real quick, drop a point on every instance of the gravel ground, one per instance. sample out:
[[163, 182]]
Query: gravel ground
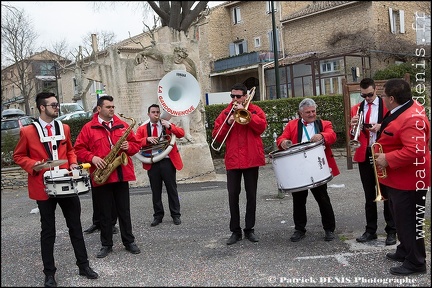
[[195, 254]]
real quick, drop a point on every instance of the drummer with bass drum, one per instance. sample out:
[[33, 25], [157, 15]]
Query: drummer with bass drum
[[32, 156], [308, 129]]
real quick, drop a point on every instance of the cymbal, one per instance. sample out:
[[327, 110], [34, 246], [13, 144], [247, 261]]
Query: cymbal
[[50, 163]]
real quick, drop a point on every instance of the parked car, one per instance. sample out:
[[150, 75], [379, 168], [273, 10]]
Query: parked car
[[74, 115], [11, 126], [12, 113]]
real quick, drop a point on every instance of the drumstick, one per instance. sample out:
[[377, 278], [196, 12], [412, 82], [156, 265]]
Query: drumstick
[[83, 166]]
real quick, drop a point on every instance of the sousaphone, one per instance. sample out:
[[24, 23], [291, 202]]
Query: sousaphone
[[179, 95]]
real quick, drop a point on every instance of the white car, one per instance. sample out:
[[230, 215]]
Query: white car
[[74, 115]]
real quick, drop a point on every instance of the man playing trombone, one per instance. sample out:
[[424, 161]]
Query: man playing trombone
[[244, 153], [373, 110], [405, 157]]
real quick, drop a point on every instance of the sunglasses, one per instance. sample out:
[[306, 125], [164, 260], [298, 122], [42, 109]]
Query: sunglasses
[[367, 95], [237, 96], [53, 105]]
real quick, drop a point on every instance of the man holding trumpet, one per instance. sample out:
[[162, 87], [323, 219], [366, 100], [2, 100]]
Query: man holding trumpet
[[405, 157], [373, 110]]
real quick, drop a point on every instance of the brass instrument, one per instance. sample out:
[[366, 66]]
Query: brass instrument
[[382, 174], [355, 143], [241, 116], [112, 160], [163, 143]]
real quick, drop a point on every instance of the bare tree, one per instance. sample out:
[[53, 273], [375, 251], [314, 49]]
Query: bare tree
[[178, 15], [18, 39]]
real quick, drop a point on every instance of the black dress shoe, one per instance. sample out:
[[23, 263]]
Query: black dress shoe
[[91, 229], [402, 271], [104, 251], [234, 238], [50, 281], [88, 272], [366, 237], [156, 222], [297, 236], [176, 220], [394, 257], [329, 236], [391, 239], [115, 230], [133, 248], [251, 237]]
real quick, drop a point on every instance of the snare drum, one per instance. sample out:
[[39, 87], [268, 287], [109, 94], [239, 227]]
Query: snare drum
[[66, 186], [301, 167]]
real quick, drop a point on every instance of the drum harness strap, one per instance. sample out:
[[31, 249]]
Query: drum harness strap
[[55, 140], [318, 128]]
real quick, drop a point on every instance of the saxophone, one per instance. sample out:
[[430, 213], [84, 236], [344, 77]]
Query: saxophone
[[112, 160]]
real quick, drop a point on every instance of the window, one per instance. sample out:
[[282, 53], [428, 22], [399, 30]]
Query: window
[[257, 42], [397, 21], [236, 15], [422, 27], [238, 48], [269, 8], [329, 66], [270, 37]]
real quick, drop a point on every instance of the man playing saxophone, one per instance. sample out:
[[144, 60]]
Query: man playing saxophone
[[108, 143]]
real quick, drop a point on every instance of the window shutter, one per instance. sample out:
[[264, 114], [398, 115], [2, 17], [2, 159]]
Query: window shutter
[[231, 49], [402, 21], [391, 20], [245, 48]]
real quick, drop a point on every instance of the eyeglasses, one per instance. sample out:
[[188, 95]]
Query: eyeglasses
[[110, 107], [367, 95], [53, 105], [237, 96]]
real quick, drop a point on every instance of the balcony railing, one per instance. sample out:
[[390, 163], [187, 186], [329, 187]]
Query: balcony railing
[[241, 60]]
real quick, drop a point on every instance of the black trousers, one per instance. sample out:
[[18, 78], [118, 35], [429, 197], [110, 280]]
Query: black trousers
[[96, 212], [408, 208], [116, 194], [299, 208], [71, 208], [250, 177], [164, 172], [367, 177]]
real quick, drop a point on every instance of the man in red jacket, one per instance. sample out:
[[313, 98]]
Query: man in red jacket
[[28, 153], [165, 169], [308, 128], [373, 110], [93, 144], [243, 155], [404, 137]]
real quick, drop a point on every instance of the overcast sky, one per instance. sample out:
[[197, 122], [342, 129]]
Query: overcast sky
[[54, 21]]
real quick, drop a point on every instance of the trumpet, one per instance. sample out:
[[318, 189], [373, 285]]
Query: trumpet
[[381, 174], [355, 143], [241, 116]]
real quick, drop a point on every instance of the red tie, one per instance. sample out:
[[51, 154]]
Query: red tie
[[368, 113], [155, 131], [48, 127]]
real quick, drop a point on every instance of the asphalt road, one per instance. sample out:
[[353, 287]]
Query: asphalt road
[[195, 254]]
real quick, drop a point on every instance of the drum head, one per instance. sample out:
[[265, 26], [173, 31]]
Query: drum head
[[296, 148]]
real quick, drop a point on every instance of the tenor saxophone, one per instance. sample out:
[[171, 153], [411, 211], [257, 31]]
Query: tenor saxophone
[[100, 176]]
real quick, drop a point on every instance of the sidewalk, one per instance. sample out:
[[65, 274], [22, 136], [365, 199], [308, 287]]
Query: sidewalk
[[195, 254]]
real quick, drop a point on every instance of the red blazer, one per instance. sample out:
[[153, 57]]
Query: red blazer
[[93, 141], [291, 132], [29, 150], [360, 152], [174, 155], [404, 137]]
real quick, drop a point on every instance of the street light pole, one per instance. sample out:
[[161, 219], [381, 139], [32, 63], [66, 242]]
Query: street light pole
[[58, 96], [275, 52]]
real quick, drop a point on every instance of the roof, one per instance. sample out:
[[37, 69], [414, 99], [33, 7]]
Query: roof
[[317, 7]]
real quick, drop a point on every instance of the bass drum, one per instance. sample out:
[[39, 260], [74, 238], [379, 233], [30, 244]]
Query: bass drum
[[302, 166]]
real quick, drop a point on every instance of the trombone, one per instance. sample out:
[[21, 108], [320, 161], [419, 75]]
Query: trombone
[[241, 116], [381, 174]]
